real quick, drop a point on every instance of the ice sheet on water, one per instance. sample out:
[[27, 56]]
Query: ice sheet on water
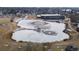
[[40, 37], [33, 36]]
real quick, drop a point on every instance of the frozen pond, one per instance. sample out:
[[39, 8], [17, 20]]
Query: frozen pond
[[40, 37]]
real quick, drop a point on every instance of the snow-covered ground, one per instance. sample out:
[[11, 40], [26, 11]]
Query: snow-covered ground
[[39, 37]]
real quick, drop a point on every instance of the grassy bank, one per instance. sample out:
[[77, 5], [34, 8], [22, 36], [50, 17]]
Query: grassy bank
[[4, 20]]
